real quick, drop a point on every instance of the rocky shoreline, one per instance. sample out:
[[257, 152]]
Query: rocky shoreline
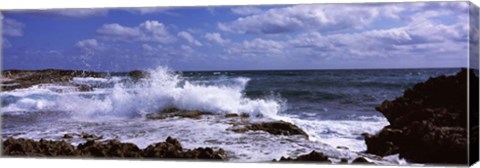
[[170, 149], [17, 79], [428, 124]]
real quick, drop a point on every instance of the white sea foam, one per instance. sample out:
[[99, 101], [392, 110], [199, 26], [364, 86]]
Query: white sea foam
[[209, 131], [87, 80], [345, 133], [163, 89], [95, 111]]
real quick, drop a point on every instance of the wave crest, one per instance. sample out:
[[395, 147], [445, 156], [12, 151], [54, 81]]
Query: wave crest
[[162, 89]]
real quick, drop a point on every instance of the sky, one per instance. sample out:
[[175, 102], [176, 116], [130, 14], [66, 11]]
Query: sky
[[314, 36]]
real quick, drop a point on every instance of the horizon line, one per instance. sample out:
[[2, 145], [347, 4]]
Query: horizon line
[[238, 70]]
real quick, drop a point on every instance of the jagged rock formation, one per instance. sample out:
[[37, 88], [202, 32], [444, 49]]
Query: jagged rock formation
[[428, 124]]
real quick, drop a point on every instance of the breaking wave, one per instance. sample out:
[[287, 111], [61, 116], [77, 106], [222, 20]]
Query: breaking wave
[[162, 89]]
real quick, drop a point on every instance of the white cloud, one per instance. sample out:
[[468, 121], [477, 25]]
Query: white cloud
[[12, 28], [310, 17], [246, 10], [147, 10], [413, 39], [168, 53], [148, 31], [151, 10], [256, 47], [263, 45], [455, 6], [217, 38], [88, 43], [424, 35], [189, 38], [426, 40], [334, 17], [73, 13]]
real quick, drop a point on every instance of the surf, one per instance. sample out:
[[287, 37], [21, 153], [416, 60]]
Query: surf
[[162, 89]]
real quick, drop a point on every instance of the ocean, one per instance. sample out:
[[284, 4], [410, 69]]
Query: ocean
[[334, 107]]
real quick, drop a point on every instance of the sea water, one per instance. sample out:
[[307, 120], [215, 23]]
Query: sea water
[[334, 107]]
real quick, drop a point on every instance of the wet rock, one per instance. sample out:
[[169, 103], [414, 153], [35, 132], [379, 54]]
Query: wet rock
[[244, 115], [137, 75], [68, 136], [361, 160], [428, 124], [111, 148], [382, 144], [42, 148], [231, 115], [311, 157], [278, 128], [174, 112], [84, 88], [234, 115], [28, 78], [90, 136], [171, 148], [206, 153], [273, 127]]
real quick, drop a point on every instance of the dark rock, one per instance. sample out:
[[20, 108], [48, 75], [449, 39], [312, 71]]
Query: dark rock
[[206, 153], [343, 161], [234, 115], [68, 136], [90, 136], [274, 127], [111, 148], [171, 148], [278, 128], [84, 88], [244, 115], [428, 124], [28, 78], [382, 144], [42, 148], [137, 74], [361, 160], [168, 149], [174, 112], [311, 157], [231, 115]]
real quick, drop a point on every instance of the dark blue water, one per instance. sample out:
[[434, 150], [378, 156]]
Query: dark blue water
[[328, 94]]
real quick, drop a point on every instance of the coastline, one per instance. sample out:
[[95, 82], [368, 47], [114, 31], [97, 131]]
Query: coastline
[[312, 156]]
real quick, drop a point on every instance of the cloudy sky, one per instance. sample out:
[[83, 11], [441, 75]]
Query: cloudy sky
[[326, 36]]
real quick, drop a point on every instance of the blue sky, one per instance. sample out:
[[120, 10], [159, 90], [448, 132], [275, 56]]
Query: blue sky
[[322, 36]]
